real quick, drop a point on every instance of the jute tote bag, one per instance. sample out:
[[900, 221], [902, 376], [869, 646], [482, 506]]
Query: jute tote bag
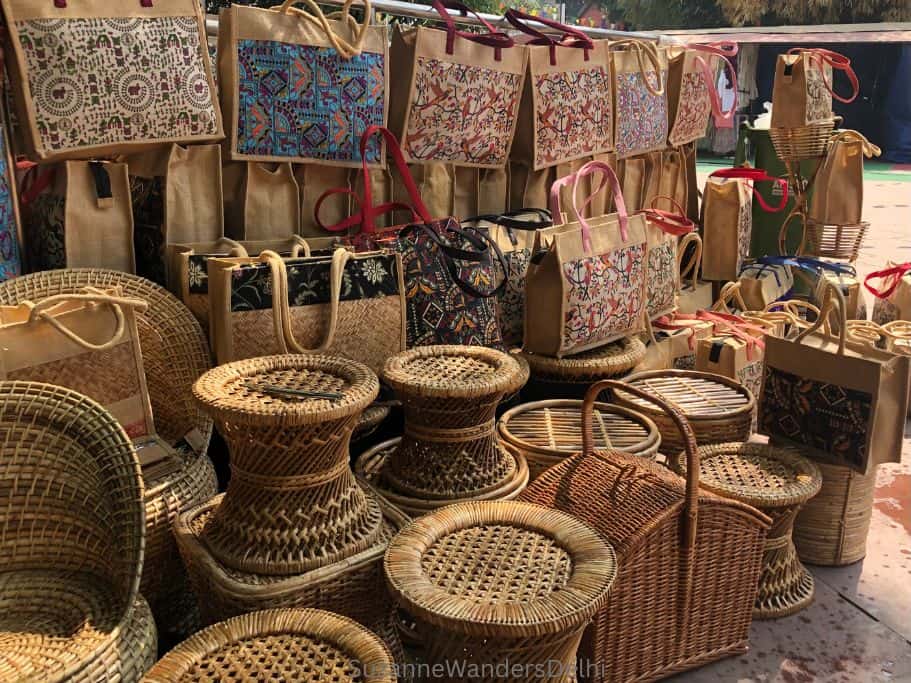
[[893, 296], [838, 192], [264, 205], [692, 92], [663, 230], [695, 294], [803, 89]]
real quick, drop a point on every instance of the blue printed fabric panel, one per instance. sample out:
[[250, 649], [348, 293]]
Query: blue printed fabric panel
[[300, 101], [10, 261]]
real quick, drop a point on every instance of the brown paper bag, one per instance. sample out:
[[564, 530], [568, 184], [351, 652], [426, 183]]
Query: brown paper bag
[[640, 97], [78, 214], [803, 90], [695, 295], [838, 192], [266, 204]]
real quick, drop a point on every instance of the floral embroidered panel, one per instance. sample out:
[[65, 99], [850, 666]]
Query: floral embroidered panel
[[641, 116], [662, 279], [693, 109]]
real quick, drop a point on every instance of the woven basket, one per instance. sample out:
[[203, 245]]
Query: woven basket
[[805, 142], [312, 645], [174, 354], [548, 432], [606, 362], [689, 559], [719, 409], [834, 241], [831, 529], [72, 544]]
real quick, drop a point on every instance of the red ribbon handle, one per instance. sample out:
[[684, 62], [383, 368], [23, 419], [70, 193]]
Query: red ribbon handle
[[838, 62], [756, 175], [493, 38], [894, 274]]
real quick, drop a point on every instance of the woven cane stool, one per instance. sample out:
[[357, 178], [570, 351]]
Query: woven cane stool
[[777, 481], [293, 503], [305, 645], [504, 588]]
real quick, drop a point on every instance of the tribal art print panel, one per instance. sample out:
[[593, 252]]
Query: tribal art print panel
[[572, 115], [306, 102], [107, 81], [10, 256], [461, 113], [662, 278], [603, 296], [641, 116]]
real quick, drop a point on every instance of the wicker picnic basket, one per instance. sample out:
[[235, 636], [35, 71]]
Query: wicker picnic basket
[[689, 559], [72, 544], [174, 354], [834, 241], [548, 432], [312, 645], [802, 142], [718, 409]]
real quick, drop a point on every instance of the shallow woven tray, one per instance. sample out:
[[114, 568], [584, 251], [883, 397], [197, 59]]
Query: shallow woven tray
[[804, 142], [834, 241], [606, 362], [547, 432], [313, 645], [370, 420], [719, 409]]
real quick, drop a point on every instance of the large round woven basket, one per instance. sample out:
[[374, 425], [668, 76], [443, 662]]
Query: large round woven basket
[[804, 142], [834, 241]]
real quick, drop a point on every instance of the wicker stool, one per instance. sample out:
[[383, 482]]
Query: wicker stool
[[305, 645], [719, 409], [292, 504], [501, 587], [547, 432], [777, 481], [605, 362]]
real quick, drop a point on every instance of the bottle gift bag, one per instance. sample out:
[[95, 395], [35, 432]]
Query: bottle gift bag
[[298, 87], [680, 334], [692, 90], [11, 264], [839, 401], [695, 294], [838, 192], [803, 89], [100, 78], [663, 228], [892, 297], [727, 223], [177, 198], [456, 95], [640, 97], [734, 350], [262, 202], [565, 113], [587, 288], [78, 214]]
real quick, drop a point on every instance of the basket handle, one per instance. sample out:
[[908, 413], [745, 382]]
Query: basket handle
[[691, 505]]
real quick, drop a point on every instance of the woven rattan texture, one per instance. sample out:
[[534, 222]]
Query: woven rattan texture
[[834, 241], [612, 360], [719, 409], [310, 646], [804, 142]]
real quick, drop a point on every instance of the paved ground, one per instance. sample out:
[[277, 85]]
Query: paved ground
[[859, 628]]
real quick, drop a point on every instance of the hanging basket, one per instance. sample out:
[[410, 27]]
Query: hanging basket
[[805, 142], [834, 241]]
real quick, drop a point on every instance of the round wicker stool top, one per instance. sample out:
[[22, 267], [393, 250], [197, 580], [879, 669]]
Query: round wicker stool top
[[250, 391], [281, 644], [697, 394], [757, 474], [500, 569], [611, 360], [454, 372]]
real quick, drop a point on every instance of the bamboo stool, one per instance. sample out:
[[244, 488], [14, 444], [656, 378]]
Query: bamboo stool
[[306, 645], [547, 432], [293, 503], [777, 481], [505, 587]]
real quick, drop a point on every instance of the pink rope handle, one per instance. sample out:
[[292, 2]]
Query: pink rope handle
[[894, 274], [756, 175], [556, 208], [838, 62], [622, 216], [724, 50]]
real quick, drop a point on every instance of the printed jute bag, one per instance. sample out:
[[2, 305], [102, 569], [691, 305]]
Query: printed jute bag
[[640, 97], [566, 111], [299, 87], [516, 234], [78, 214], [892, 299], [95, 77], [87, 342], [692, 91], [343, 304], [587, 288], [803, 89], [456, 97], [177, 198], [663, 228], [695, 294], [262, 202], [11, 261], [838, 192], [727, 224], [837, 400]]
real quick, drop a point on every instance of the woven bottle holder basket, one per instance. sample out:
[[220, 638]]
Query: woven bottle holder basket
[[719, 409], [804, 142]]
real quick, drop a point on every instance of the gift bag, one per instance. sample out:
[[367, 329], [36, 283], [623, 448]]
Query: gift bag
[[78, 214], [95, 79], [587, 288], [734, 350], [803, 89], [456, 97], [663, 228], [766, 280], [692, 91], [640, 97], [680, 334], [838, 191], [10, 226], [87, 342], [892, 298], [836, 400], [262, 203], [695, 294], [727, 224], [343, 304], [515, 233], [298, 87], [565, 112], [176, 196]]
